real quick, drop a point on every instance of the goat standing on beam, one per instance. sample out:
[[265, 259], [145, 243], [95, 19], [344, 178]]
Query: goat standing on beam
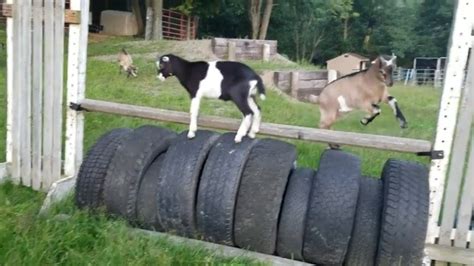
[[222, 80], [362, 90]]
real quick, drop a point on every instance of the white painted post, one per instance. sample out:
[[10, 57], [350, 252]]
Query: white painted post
[[58, 61], [48, 80], [37, 95], [460, 42], [25, 98], [76, 85], [15, 103], [10, 33]]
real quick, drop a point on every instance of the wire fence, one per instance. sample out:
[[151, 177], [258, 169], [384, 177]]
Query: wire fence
[[427, 77]]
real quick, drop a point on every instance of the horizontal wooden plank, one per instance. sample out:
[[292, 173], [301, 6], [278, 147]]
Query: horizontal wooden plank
[[310, 75], [277, 130], [223, 41], [303, 94], [312, 84], [70, 16], [450, 254]]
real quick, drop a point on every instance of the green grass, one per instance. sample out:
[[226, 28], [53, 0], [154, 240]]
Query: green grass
[[67, 236], [91, 239]]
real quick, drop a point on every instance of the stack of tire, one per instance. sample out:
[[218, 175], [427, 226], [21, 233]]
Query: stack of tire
[[251, 195]]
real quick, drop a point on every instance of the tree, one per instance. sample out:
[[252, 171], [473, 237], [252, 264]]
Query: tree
[[157, 24], [260, 22]]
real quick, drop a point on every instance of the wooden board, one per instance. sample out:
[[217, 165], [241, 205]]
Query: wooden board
[[277, 130], [48, 79], [451, 254], [15, 102], [58, 61], [37, 95], [70, 16], [9, 136]]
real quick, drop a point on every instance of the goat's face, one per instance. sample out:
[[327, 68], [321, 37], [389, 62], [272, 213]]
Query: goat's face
[[386, 67], [164, 67]]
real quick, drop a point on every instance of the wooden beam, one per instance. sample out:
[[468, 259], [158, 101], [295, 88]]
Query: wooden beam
[[276, 130], [450, 254], [70, 16]]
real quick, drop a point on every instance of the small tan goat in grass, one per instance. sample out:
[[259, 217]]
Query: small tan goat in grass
[[362, 90], [126, 63]]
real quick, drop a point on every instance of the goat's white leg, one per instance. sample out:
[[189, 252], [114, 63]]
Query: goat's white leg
[[396, 111], [244, 128], [194, 111], [257, 117]]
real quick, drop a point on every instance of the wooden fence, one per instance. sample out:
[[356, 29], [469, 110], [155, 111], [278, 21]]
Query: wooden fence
[[177, 26], [241, 49], [301, 84]]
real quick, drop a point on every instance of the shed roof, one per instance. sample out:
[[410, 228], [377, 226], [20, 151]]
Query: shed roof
[[358, 56]]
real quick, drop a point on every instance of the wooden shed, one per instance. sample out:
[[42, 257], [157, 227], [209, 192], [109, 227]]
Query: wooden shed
[[347, 63]]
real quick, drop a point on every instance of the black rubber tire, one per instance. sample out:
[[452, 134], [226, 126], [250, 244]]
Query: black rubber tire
[[128, 166], [220, 180], [404, 214], [90, 178], [260, 195], [293, 214], [146, 203], [332, 206], [179, 180], [365, 233]]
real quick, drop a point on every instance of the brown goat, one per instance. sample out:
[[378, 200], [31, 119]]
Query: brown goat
[[362, 90], [126, 64]]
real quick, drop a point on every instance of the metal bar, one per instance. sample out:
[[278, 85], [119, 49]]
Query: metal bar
[[287, 131], [460, 42], [76, 86]]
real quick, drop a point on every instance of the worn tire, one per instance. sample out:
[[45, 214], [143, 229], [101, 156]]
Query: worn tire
[[293, 214], [91, 176], [260, 195], [332, 205], [365, 233], [128, 166], [220, 180], [404, 214], [178, 182], [146, 203]]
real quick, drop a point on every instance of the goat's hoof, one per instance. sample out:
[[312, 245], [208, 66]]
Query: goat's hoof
[[251, 135], [403, 124], [364, 122], [191, 135], [238, 139]]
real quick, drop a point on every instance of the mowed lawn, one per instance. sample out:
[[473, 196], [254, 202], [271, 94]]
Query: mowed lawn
[[69, 236]]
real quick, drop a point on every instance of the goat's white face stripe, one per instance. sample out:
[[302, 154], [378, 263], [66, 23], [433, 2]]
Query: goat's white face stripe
[[343, 105], [210, 86]]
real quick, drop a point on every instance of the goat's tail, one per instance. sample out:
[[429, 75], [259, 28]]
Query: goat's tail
[[313, 98], [261, 89]]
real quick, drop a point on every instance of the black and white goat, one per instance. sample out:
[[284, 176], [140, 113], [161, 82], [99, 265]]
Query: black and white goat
[[224, 80], [363, 90]]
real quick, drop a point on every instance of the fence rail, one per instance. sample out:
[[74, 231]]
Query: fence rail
[[177, 26]]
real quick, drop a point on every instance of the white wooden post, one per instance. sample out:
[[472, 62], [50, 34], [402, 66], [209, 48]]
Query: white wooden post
[[231, 51], [460, 42], [37, 95], [10, 33], [332, 75], [77, 60]]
